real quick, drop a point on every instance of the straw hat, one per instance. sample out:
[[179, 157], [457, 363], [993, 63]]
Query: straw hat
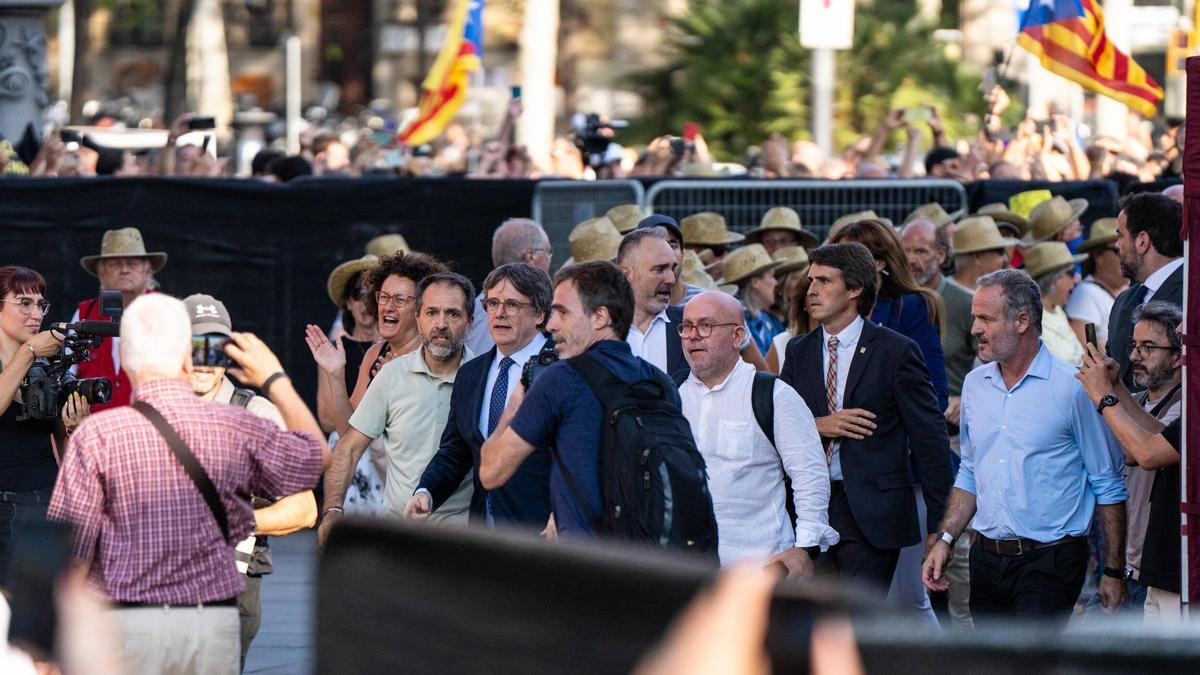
[[1017, 225], [625, 217], [708, 229], [790, 259], [692, 271], [979, 233], [1104, 232], [1052, 216], [746, 262], [387, 244], [123, 243], [1048, 257], [782, 218], [593, 239], [853, 218], [933, 212], [341, 275]]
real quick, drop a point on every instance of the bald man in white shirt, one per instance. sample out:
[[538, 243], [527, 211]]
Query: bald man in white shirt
[[745, 470]]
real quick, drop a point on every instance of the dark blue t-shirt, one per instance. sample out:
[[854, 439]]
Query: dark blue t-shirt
[[561, 410]]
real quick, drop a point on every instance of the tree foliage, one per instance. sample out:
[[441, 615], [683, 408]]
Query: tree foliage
[[736, 67]]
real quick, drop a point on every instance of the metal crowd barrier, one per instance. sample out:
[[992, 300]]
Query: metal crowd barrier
[[561, 205], [819, 202]]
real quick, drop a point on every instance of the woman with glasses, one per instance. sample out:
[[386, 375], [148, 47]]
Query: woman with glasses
[[389, 294], [1092, 300], [28, 459], [1052, 266]]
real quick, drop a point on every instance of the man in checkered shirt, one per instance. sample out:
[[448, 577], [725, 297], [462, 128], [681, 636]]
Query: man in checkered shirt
[[143, 529]]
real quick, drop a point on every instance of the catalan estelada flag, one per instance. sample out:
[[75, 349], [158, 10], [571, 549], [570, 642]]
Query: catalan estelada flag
[[445, 87], [1068, 37]]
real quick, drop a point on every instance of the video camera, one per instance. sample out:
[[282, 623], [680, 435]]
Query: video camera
[[591, 137], [535, 366], [50, 382]]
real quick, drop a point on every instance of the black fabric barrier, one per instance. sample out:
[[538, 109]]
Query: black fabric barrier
[[264, 250], [1102, 195]]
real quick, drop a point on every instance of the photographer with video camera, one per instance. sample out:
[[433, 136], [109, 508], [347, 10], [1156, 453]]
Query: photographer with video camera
[[28, 465]]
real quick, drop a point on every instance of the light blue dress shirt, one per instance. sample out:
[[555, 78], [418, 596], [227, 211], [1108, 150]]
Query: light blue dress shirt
[[1037, 457]]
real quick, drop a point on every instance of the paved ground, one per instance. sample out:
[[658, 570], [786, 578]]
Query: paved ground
[[285, 642]]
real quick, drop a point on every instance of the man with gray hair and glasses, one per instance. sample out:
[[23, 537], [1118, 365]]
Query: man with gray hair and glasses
[[517, 240], [1036, 462]]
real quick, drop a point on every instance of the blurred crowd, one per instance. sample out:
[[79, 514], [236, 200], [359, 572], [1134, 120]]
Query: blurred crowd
[[1056, 148]]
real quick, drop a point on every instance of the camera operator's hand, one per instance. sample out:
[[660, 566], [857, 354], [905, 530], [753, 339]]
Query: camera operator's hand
[[255, 359], [74, 410], [45, 343]]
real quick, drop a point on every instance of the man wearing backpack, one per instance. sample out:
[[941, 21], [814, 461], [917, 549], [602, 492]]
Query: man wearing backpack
[[591, 314], [272, 517], [753, 430]]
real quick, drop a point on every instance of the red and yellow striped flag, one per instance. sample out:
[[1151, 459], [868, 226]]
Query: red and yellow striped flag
[[446, 84], [1068, 38]]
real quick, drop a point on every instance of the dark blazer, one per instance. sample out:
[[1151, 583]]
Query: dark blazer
[[1120, 321], [677, 365], [525, 499], [887, 377]]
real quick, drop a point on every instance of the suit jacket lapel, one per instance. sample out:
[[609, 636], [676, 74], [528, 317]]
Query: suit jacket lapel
[[858, 362], [476, 402], [675, 358], [814, 354]]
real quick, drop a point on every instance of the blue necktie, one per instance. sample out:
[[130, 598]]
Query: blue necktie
[[495, 410], [1141, 297]]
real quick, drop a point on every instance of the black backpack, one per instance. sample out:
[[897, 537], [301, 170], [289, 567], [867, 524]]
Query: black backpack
[[653, 483], [762, 401]]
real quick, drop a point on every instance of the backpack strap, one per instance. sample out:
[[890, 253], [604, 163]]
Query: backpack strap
[[762, 401], [190, 464], [241, 397]]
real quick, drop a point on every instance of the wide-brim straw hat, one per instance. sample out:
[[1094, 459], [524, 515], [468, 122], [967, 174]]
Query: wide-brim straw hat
[[790, 259], [979, 233], [1004, 217], [849, 218], [785, 219], [625, 217], [593, 239], [123, 243], [388, 244], [708, 229], [1049, 257], [1103, 233], [746, 262], [933, 212], [342, 274], [1052, 216], [692, 271]]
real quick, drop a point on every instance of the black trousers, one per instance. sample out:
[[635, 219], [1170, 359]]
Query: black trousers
[[853, 559], [249, 603], [1042, 584], [18, 511]]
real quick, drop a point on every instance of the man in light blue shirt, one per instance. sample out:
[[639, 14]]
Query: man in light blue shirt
[[1036, 462]]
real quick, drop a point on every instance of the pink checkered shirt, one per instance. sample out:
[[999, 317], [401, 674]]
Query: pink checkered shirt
[[141, 521]]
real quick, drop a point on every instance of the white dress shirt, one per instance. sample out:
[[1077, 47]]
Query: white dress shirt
[[847, 344], [514, 376], [1154, 281], [652, 345], [745, 472]]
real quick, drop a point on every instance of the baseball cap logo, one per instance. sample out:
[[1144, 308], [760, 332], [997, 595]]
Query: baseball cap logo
[[205, 311]]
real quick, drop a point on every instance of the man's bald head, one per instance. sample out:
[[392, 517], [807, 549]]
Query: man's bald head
[[1175, 192], [713, 355]]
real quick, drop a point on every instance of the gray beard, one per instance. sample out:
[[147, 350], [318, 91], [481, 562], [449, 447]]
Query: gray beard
[[442, 353]]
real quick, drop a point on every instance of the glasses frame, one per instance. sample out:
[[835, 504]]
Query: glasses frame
[[686, 327], [1141, 349], [27, 310], [491, 304], [398, 301]]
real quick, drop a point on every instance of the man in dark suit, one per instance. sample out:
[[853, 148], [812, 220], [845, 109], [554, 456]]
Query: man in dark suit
[[873, 401], [517, 301], [650, 265], [1151, 258]]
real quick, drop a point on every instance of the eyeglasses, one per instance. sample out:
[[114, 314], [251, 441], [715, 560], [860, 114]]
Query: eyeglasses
[[398, 300], [358, 293], [548, 250], [510, 306], [703, 328], [26, 305], [1144, 349]]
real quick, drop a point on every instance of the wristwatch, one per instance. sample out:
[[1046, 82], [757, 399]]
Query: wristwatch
[[947, 537], [1119, 575], [1109, 399]]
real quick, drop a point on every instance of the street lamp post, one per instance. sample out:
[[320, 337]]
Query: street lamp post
[[23, 77]]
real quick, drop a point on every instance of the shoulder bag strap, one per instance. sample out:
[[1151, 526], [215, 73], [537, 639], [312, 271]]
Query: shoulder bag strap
[[1165, 402], [189, 462], [762, 401]]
